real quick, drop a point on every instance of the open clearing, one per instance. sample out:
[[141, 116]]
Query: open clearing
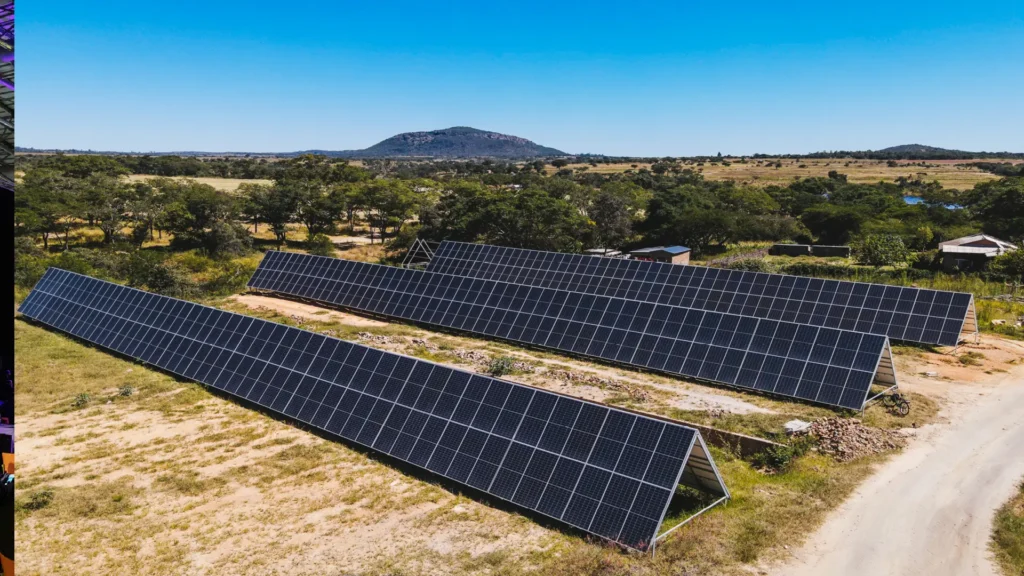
[[762, 171], [222, 184], [173, 476]]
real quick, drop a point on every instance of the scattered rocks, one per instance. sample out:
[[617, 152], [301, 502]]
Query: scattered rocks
[[421, 342], [846, 439], [376, 338], [472, 356], [635, 392]]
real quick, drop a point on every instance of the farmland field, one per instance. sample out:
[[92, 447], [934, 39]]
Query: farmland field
[[222, 184], [764, 172]]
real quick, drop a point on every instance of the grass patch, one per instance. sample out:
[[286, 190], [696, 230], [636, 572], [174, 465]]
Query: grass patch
[[1008, 535], [971, 358], [923, 410], [95, 500]]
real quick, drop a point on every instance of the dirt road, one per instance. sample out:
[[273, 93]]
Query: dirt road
[[929, 510]]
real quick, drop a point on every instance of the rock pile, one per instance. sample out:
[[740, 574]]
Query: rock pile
[[846, 439], [376, 338], [635, 392]]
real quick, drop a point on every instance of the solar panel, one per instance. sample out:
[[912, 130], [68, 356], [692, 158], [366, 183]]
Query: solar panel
[[822, 365], [901, 313], [606, 471]]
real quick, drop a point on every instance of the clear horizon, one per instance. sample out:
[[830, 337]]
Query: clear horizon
[[654, 80]]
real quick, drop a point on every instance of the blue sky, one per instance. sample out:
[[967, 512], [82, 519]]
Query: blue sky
[[624, 78]]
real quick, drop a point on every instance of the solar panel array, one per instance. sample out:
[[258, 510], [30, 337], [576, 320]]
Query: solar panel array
[[822, 365], [603, 470], [901, 313]]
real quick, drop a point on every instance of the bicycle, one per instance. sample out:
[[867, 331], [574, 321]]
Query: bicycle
[[897, 402]]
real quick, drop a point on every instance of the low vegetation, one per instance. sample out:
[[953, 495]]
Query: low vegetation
[[1008, 535]]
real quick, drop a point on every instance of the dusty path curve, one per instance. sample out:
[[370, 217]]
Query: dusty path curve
[[929, 511]]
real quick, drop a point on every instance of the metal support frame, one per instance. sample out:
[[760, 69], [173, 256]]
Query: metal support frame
[[687, 521]]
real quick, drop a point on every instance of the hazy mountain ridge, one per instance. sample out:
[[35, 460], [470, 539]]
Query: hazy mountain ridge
[[454, 142]]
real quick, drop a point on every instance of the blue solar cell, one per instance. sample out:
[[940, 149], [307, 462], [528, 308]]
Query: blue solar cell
[[413, 410]]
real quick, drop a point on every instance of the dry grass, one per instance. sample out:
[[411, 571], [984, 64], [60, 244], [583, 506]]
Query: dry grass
[[1008, 535], [222, 184], [174, 475], [764, 172]]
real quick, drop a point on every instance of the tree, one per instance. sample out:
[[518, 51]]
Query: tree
[[388, 204], [1011, 264], [192, 212], [532, 218], [105, 200], [559, 162], [272, 205], [46, 203], [687, 215], [833, 225], [882, 250], [999, 206]]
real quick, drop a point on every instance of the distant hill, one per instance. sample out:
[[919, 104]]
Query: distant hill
[[455, 142], [914, 152]]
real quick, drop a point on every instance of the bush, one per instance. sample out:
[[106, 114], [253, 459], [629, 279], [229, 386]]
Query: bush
[[81, 400], [929, 260], [1010, 264], [147, 270], [38, 500], [227, 239], [882, 250], [500, 366], [126, 390], [320, 245], [752, 265]]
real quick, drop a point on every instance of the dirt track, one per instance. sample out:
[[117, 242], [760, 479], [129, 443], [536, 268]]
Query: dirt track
[[929, 510]]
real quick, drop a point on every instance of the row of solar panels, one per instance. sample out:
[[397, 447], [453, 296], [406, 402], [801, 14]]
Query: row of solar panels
[[606, 471], [901, 313], [823, 365]]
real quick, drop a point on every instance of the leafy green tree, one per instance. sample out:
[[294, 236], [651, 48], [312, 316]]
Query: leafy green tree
[[559, 162], [1011, 264], [532, 218], [46, 203], [388, 204], [272, 205], [833, 225], [882, 250], [193, 210], [999, 206], [687, 215]]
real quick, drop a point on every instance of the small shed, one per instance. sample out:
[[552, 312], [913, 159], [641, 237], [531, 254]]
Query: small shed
[[972, 252], [667, 254]]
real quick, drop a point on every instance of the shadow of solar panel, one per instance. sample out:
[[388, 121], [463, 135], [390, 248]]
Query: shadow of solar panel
[[901, 313], [701, 344], [552, 454]]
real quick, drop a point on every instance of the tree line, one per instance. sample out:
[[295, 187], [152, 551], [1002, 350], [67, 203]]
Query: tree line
[[503, 203]]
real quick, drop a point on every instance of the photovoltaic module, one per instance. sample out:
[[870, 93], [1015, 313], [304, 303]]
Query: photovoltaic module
[[603, 470]]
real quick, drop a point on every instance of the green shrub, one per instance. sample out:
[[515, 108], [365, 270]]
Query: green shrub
[[149, 271], [882, 250], [752, 265], [38, 500], [126, 390], [320, 245], [227, 239], [501, 365], [81, 400]]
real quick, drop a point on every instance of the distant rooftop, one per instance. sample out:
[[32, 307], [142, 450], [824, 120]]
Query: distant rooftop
[[663, 250]]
